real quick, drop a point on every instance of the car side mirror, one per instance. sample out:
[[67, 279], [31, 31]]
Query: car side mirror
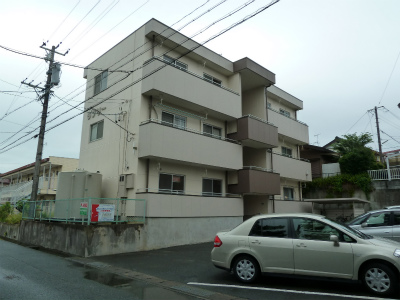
[[363, 225], [334, 239]]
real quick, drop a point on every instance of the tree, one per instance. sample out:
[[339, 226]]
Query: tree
[[352, 142], [356, 158], [5, 210]]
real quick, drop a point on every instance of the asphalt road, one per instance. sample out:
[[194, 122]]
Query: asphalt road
[[26, 273], [192, 264]]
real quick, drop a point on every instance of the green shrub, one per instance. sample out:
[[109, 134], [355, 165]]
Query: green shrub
[[14, 218], [5, 210]]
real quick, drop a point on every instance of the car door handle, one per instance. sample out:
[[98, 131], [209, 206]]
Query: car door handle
[[387, 231], [301, 245], [256, 242]]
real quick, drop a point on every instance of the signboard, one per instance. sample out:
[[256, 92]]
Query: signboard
[[103, 212], [84, 208]]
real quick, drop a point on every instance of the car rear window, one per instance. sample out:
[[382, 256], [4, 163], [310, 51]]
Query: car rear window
[[272, 227]]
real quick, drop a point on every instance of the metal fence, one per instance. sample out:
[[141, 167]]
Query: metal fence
[[393, 174], [86, 210]]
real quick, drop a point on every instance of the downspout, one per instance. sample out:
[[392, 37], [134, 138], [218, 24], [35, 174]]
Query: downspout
[[48, 184], [152, 45], [147, 174]]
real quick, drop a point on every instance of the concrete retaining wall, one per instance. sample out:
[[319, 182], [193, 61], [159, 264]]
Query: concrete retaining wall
[[97, 240]]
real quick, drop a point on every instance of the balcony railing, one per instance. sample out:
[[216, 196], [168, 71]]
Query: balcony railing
[[383, 174], [186, 193], [277, 111], [184, 128], [155, 58]]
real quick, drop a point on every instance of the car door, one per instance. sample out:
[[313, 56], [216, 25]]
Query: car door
[[396, 226], [272, 245], [315, 254], [377, 224]]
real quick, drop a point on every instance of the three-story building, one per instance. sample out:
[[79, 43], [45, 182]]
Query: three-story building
[[206, 141]]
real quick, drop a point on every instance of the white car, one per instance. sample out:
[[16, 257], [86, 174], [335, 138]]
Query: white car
[[307, 244]]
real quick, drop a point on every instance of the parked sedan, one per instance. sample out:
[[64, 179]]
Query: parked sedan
[[384, 223], [307, 244]]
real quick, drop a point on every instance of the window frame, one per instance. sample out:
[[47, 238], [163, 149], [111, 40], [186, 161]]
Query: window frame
[[97, 132], [173, 124], [100, 82], [284, 112], [212, 193], [285, 189], [212, 79], [212, 130], [175, 63], [171, 191], [285, 150]]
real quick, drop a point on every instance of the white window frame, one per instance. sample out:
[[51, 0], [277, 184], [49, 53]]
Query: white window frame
[[288, 189], [176, 63], [284, 112], [287, 151], [95, 127], [100, 82], [171, 190], [212, 193], [175, 120], [212, 79], [212, 130]]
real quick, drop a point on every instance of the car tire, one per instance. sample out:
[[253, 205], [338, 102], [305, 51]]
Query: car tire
[[379, 279], [246, 269]]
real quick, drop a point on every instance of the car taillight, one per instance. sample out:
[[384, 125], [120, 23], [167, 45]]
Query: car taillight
[[217, 242]]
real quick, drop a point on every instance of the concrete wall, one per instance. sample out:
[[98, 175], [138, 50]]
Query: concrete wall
[[97, 240], [386, 193]]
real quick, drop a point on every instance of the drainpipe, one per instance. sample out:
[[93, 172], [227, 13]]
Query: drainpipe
[[48, 184], [152, 45], [148, 174]]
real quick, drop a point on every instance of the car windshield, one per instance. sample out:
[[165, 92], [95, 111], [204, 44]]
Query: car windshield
[[348, 229]]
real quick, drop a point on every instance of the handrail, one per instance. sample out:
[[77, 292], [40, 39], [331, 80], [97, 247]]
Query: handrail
[[164, 123], [289, 156], [259, 169], [189, 72], [259, 119], [185, 193], [274, 110]]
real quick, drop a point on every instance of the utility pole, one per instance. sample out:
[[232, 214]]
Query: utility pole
[[51, 81], [379, 134]]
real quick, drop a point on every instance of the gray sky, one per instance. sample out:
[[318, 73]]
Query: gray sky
[[339, 57]]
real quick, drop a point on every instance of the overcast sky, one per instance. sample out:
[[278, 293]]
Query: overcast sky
[[339, 57]]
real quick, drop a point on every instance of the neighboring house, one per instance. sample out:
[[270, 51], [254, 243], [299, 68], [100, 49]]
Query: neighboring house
[[21, 179], [323, 160], [204, 140], [393, 158]]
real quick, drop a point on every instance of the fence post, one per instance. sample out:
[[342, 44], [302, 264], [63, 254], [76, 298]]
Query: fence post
[[89, 211]]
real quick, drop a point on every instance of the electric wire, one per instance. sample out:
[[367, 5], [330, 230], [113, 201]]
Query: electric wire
[[390, 77], [64, 19], [80, 21], [151, 73]]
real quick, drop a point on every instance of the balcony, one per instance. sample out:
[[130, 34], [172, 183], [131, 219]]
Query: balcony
[[165, 205], [255, 133], [188, 146], [292, 168], [189, 90], [295, 131], [256, 181]]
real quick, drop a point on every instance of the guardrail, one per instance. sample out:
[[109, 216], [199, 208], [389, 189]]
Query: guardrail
[[86, 210]]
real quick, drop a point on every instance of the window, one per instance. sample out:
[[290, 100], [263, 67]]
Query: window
[[96, 131], [176, 63], [308, 229], [212, 79], [100, 82], [379, 219], [268, 104], [288, 193], [286, 151], [284, 112], [273, 227], [212, 131], [212, 187], [173, 120], [170, 183]]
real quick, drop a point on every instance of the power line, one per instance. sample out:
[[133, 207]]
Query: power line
[[390, 77], [64, 19], [156, 70]]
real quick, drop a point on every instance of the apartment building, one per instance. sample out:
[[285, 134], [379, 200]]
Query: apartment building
[[20, 180], [206, 141]]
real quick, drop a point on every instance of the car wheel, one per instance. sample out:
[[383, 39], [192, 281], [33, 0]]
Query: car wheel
[[379, 279], [246, 269]]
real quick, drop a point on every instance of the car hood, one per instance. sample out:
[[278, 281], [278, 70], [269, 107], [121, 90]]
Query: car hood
[[382, 242]]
